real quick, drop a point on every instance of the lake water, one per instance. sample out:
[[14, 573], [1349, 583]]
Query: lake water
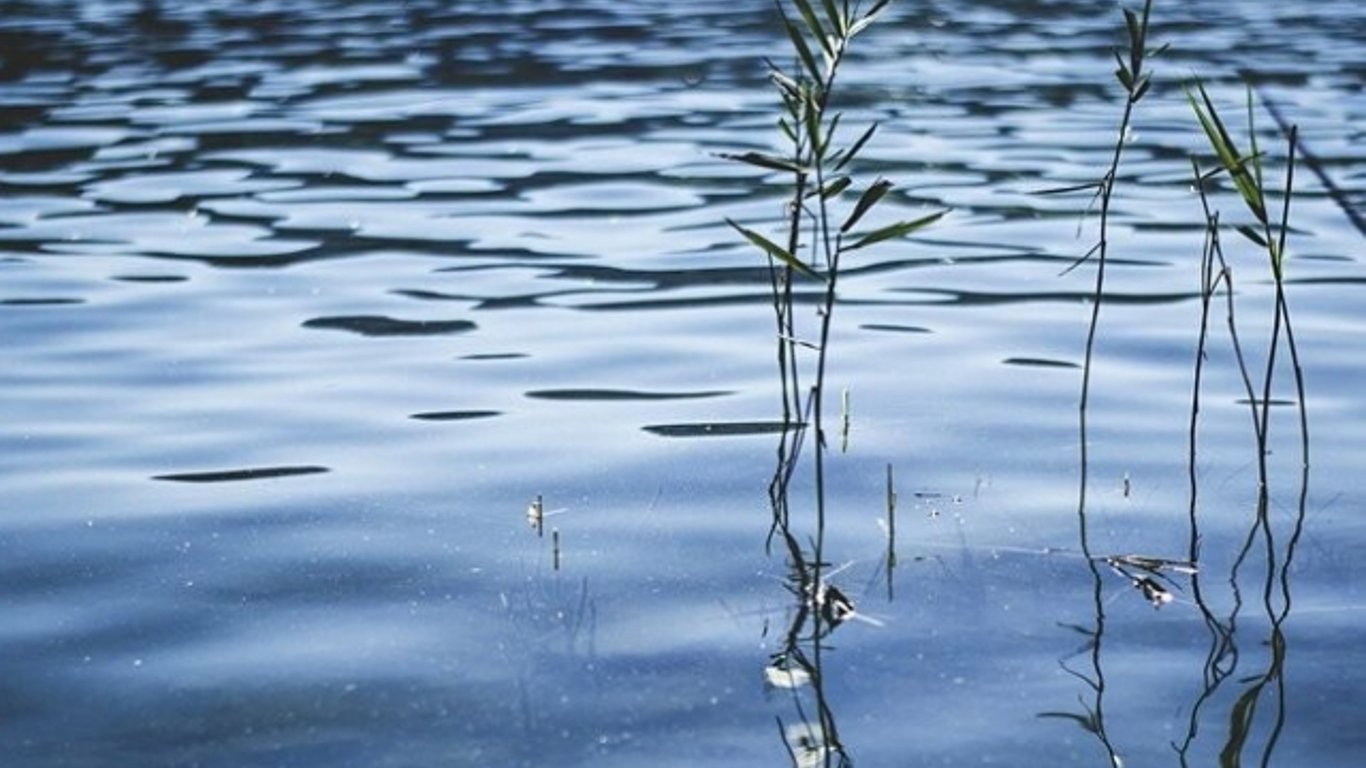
[[304, 303]]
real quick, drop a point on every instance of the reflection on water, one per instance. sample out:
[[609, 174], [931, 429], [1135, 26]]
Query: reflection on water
[[301, 303]]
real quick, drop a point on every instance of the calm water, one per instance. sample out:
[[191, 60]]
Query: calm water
[[303, 303]]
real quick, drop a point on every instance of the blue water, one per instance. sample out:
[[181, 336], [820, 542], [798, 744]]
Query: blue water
[[302, 304]]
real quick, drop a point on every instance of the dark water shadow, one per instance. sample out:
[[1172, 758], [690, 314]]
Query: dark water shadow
[[379, 325], [454, 415], [613, 395], [717, 429], [236, 475]]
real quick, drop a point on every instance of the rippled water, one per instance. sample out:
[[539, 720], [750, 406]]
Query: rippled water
[[303, 303]]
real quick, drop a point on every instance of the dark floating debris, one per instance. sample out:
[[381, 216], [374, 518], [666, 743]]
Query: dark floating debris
[[1039, 362], [620, 394], [235, 475], [454, 415], [379, 325], [720, 429]]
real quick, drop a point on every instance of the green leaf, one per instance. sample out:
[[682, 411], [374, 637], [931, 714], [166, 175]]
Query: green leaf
[[900, 229], [799, 45], [1251, 234], [770, 162], [774, 250], [1135, 34], [1125, 79], [786, 84], [812, 117], [868, 17], [1143, 83], [1227, 152], [833, 188], [1090, 185], [836, 18], [814, 24], [866, 202], [858, 145]]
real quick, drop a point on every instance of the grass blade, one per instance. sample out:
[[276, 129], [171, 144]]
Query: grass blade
[[854, 150], [814, 24], [900, 229], [866, 201], [773, 249], [769, 162]]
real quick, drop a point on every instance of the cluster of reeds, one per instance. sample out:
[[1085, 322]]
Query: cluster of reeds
[[1246, 174]]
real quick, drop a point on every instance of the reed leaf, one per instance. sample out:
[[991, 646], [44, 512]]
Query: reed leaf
[[769, 162], [814, 24], [848, 155], [866, 201], [867, 18], [837, 19], [774, 250], [833, 188], [1090, 185], [800, 46], [900, 229], [1252, 234], [1227, 152]]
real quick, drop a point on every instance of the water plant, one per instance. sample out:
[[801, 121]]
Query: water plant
[[823, 224], [1136, 80]]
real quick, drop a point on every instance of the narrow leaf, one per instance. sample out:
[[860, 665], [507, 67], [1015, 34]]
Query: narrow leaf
[[1252, 234], [836, 18], [1125, 79], [1069, 189], [868, 17], [788, 86], [812, 118], [774, 250], [833, 188], [814, 24], [866, 202], [900, 229], [1142, 88], [799, 45], [769, 162], [858, 145], [1131, 21]]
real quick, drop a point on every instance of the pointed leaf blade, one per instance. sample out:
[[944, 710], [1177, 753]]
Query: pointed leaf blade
[[900, 229], [774, 250], [865, 203]]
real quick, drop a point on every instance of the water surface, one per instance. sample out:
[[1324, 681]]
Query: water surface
[[303, 304]]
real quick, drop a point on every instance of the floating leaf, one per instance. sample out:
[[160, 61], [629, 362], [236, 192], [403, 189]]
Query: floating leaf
[[900, 229], [773, 249]]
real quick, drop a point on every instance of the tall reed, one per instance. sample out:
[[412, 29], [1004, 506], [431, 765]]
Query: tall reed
[[821, 226]]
